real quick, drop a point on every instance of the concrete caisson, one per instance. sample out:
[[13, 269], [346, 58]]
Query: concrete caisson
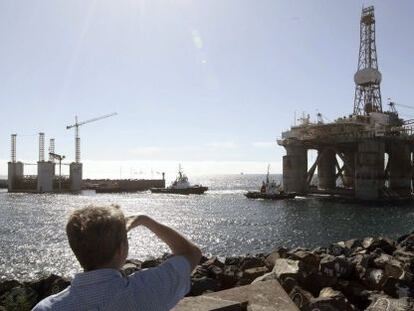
[[295, 164], [349, 169], [75, 177], [327, 169], [369, 170], [15, 174], [400, 168], [45, 175]]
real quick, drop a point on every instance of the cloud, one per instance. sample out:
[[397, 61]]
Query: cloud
[[264, 144]]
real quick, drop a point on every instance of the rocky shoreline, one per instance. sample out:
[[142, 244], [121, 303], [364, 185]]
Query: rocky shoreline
[[373, 274]]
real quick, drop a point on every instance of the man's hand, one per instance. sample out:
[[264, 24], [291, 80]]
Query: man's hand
[[134, 221]]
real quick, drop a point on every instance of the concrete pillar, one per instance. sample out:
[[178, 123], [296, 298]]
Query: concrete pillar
[[326, 169], [369, 170], [75, 171], [400, 168], [45, 175], [295, 166], [349, 170], [15, 174]]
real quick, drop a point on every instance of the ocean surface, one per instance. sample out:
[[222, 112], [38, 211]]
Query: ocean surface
[[222, 222]]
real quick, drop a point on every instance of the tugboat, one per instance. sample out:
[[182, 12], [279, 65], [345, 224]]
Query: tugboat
[[270, 190], [181, 186]]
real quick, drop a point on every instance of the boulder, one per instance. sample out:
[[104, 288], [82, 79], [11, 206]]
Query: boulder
[[270, 260], [151, 263], [215, 272], [338, 266], [50, 285], [233, 261], [135, 262], [252, 262], [388, 246], [337, 249], [308, 261], [19, 299], [355, 292], [315, 282], [385, 303], [329, 300], [373, 278], [320, 250], [398, 288], [392, 267], [129, 268], [7, 285], [199, 272], [406, 257], [213, 261], [266, 277], [286, 268], [203, 259], [229, 277], [249, 275], [353, 244], [408, 242], [361, 263], [300, 297], [204, 285]]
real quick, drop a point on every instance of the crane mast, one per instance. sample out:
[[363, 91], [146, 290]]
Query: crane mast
[[77, 137]]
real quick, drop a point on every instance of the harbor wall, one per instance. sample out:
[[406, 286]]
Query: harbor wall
[[122, 185]]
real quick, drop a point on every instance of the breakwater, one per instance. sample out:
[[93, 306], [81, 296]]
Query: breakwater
[[373, 273]]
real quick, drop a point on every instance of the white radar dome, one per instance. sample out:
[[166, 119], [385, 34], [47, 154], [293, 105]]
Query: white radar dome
[[368, 76]]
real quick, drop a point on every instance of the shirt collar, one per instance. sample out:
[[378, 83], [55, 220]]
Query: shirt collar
[[95, 276]]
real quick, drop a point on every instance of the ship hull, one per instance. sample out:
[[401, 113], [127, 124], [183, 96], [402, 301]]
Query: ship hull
[[185, 191], [260, 195]]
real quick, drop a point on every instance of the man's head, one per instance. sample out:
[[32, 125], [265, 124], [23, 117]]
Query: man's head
[[98, 237]]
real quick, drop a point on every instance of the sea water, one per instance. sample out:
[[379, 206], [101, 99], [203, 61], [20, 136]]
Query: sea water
[[222, 222]]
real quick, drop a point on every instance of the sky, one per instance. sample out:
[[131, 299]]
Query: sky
[[208, 84]]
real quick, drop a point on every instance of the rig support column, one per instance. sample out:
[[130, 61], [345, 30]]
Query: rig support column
[[400, 169], [45, 175], [75, 177], [326, 169], [349, 170], [369, 170], [295, 166], [15, 173]]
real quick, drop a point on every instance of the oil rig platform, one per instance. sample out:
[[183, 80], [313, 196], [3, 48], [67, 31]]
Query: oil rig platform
[[367, 155]]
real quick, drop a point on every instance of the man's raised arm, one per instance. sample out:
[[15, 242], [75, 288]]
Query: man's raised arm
[[178, 244]]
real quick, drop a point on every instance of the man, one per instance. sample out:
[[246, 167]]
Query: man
[[98, 237]]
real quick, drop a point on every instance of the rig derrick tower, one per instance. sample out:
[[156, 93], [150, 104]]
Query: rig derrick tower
[[367, 156], [368, 77]]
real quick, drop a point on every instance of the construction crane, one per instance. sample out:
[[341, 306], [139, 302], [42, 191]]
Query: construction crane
[[77, 138], [58, 157]]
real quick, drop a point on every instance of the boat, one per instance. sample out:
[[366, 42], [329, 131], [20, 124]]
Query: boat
[[270, 190], [181, 185]]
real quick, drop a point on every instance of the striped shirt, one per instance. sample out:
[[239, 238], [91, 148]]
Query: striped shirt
[[157, 288]]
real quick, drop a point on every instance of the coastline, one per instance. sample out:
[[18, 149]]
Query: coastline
[[358, 274]]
